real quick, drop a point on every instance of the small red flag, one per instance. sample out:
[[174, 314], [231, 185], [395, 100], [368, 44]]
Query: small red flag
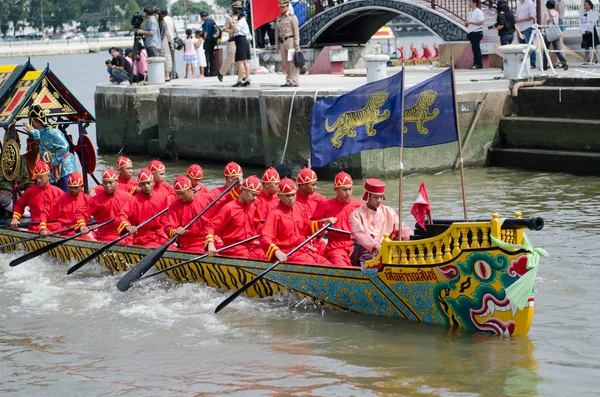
[[264, 11], [421, 208]]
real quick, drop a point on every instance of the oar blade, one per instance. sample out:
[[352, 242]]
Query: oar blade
[[35, 254], [143, 266], [95, 255]]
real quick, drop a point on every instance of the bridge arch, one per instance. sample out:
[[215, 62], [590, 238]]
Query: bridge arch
[[356, 21]]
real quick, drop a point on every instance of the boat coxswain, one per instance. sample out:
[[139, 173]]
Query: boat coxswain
[[237, 221], [158, 170], [54, 147], [37, 198], [267, 199], [69, 210], [143, 206], [107, 205], [287, 226], [371, 220], [196, 173], [182, 211], [339, 245]]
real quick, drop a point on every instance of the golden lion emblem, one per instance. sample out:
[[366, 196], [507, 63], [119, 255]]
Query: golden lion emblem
[[419, 114], [346, 123]]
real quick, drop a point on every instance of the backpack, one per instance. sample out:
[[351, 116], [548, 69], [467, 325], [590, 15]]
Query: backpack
[[217, 32]]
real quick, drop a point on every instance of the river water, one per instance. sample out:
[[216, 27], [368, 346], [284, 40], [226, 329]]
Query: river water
[[79, 336]]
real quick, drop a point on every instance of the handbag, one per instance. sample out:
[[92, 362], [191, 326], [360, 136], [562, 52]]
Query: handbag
[[553, 32], [299, 60], [178, 43]]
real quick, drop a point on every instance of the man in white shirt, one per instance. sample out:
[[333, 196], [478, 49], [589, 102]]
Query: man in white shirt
[[525, 16], [171, 34], [474, 24]]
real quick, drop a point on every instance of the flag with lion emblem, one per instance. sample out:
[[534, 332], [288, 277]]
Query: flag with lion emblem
[[370, 118]]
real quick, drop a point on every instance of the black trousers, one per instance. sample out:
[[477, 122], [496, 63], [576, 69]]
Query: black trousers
[[209, 52], [475, 39]]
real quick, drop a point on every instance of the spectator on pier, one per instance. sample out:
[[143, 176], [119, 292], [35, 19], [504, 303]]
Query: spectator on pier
[[165, 50], [152, 38], [118, 68], [140, 65], [288, 40], [589, 34], [171, 35], [506, 24], [552, 17], [474, 24], [242, 48], [526, 14], [228, 28], [210, 32]]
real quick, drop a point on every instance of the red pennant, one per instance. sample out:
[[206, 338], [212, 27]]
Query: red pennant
[[264, 11], [421, 207]]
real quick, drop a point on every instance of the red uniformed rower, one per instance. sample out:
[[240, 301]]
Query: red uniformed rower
[[143, 206], [308, 200], [107, 205], [182, 211], [69, 210], [37, 198], [287, 226], [232, 173], [267, 199], [237, 221], [196, 173], [158, 170], [126, 182], [339, 245]]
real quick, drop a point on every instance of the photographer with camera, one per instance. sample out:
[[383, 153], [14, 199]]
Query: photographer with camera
[[118, 67], [152, 38]]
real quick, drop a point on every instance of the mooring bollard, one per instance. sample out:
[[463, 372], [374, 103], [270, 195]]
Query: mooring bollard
[[156, 70], [513, 56], [376, 67]]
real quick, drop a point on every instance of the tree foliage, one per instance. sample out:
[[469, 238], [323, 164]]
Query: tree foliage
[[190, 7]]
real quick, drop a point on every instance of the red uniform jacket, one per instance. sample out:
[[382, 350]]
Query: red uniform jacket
[[37, 198], [265, 203], [180, 214], [228, 198], [138, 210], [200, 188], [235, 222], [339, 246], [104, 207], [68, 211], [130, 185], [284, 229], [310, 203], [167, 190]]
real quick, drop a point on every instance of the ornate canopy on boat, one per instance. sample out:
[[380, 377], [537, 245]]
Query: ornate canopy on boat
[[43, 88], [9, 74]]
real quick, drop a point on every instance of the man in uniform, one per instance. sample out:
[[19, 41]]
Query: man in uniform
[[125, 183], [107, 205], [237, 221], [371, 220], [286, 227], [182, 211], [144, 205], [228, 28], [232, 172], [158, 170], [38, 197], [267, 199], [54, 147], [288, 38], [308, 200], [69, 210], [339, 245], [196, 173]]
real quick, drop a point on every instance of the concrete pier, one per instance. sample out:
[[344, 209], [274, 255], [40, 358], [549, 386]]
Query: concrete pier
[[206, 119]]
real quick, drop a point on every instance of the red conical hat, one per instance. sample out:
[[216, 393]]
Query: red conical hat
[[271, 175], [75, 180], [110, 175], [182, 183], [286, 186], [306, 175], [374, 186], [156, 166], [145, 175], [41, 168], [252, 183], [342, 180], [232, 169], [195, 172], [122, 162]]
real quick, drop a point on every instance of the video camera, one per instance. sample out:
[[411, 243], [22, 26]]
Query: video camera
[[137, 19]]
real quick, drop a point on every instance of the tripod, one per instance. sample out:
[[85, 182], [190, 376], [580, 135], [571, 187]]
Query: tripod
[[536, 34]]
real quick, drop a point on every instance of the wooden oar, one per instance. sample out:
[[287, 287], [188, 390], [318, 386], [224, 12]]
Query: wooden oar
[[37, 236], [22, 224], [99, 252], [250, 283], [50, 247], [149, 260], [197, 258]]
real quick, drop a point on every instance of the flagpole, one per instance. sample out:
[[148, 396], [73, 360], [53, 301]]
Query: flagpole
[[458, 140], [401, 157], [253, 37]]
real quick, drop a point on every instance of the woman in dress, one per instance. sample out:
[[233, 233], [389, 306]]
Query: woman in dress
[[242, 47], [589, 34]]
